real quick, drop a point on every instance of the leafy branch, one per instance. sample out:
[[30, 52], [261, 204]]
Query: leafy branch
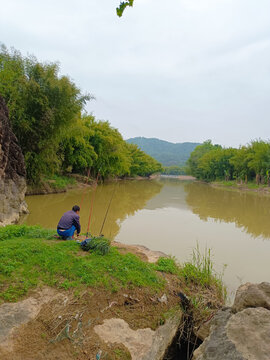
[[122, 7]]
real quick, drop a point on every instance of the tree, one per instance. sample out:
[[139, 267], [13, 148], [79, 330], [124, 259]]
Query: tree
[[240, 163], [46, 116], [141, 163], [259, 159], [75, 150], [42, 105], [112, 154], [196, 155], [215, 164]]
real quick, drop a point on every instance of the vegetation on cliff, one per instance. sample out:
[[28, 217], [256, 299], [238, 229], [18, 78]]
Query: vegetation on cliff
[[55, 133], [248, 163]]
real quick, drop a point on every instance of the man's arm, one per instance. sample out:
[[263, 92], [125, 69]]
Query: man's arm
[[76, 223]]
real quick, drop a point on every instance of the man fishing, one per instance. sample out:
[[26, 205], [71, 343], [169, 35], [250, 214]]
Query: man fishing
[[68, 223]]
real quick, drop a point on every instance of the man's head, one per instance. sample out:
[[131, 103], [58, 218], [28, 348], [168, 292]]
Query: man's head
[[76, 209]]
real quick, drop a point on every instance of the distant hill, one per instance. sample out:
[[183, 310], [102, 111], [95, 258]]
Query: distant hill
[[164, 151]]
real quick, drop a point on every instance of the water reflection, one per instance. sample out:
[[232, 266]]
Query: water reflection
[[249, 211], [128, 197], [172, 216]]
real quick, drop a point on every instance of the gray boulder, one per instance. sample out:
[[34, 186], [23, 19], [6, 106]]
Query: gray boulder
[[243, 331], [241, 336], [252, 296]]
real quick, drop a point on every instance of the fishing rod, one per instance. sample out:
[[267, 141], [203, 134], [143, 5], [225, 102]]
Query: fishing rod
[[91, 206], [105, 217]]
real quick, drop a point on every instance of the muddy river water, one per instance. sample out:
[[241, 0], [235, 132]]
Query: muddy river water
[[172, 216]]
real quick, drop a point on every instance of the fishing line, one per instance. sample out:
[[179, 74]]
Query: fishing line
[[105, 217]]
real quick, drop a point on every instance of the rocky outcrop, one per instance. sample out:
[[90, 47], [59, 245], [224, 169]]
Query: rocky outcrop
[[252, 296], [243, 331], [143, 344], [12, 172]]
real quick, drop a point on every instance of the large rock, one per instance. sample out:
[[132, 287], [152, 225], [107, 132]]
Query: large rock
[[252, 296], [143, 344], [12, 172], [249, 330], [241, 336], [243, 331]]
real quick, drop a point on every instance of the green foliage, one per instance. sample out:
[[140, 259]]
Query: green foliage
[[259, 160], [27, 260], [122, 6], [46, 116], [41, 104], [141, 163], [121, 354], [212, 162], [196, 156], [167, 265], [112, 154], [59, 181], [99, 244], [240, 161], [199, 271], [216, 164], [75, 149], [174, 170], [17, 231]]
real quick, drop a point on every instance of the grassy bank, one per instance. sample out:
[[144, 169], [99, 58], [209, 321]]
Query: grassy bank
[[249, 186], [52, 184], [95, 287], [31, 256]]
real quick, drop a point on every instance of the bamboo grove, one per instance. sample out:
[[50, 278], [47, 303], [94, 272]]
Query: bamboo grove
[[55, 133], [247, 163]]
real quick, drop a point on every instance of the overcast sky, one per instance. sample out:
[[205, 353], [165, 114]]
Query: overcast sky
[[178, 70]]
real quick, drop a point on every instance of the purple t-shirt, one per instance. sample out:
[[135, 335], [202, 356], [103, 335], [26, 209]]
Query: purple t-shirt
[[68, 219]]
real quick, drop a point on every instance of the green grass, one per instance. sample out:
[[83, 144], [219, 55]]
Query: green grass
[[234, 183], [200, 271], [167, 265], [226, 183], [18, 231], [59, 181], [29, 258]]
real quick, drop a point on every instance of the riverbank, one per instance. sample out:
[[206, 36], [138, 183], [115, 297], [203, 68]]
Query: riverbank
[[61, 301], [60, 184], [54, 184], [242, 187]]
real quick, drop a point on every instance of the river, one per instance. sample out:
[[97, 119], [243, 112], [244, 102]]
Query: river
[[173, 216]]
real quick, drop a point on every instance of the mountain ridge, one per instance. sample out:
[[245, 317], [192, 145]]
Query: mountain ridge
[[166, 152]]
